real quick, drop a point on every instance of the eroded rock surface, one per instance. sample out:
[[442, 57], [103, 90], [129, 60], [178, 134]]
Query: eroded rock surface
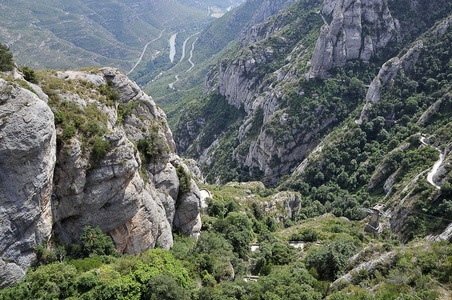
[[27, 160], [131, 191], [359, 29]]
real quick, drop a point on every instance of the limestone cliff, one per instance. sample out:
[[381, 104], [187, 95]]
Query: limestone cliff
[[358, 30], [109, 162], [27, 161]]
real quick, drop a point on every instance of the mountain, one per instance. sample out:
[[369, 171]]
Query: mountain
[[323, 132], [175, 87], [337, 100], [284, 80], [87, 148], [74, 34]]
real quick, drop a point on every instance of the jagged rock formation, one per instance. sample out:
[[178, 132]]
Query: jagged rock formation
[[387, 73], [358, 30], [27, 160], [257, 30], [133, 193]]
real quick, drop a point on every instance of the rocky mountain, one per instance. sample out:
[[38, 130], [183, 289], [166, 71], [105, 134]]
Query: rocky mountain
[[283, 76], [87, 148], [341, 108], [351, 110]]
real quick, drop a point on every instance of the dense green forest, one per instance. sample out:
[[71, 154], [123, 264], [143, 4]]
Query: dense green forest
[[218, 264]]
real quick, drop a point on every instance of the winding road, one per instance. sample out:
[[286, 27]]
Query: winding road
[[171, 85], [144, 50], [436, 166], [191, 56], [185, 44]]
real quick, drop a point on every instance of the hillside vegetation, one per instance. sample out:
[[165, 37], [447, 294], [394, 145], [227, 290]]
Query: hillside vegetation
[[323, 138], [83, 33]]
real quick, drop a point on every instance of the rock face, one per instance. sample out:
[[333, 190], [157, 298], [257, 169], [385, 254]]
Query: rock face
[[130, 192], [257, 31], [27, 160], [392, 67], [359, 29]]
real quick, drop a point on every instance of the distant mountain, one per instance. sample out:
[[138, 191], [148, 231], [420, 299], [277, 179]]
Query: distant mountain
[[68, 34]]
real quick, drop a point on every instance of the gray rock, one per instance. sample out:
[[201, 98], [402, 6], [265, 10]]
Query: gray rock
[[188, 217], [342, 40], [27, 160], [143, 205], [131, 199], [387, 73]]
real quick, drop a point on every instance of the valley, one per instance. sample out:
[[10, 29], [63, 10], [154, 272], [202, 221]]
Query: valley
[[259, 149]]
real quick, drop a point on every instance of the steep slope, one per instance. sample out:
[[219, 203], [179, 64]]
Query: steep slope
[[398, 148], [297, 76], [108, 162], [207, 46]]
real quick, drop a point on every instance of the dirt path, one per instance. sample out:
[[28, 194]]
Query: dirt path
[[191, 56], [436, 166], [144, 50]]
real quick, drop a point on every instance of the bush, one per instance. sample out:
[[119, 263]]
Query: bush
[[184, 180], [305, 235], [163, 286], [94, 241], [29, 74], [331, 259], [100, 148], [6, 59]]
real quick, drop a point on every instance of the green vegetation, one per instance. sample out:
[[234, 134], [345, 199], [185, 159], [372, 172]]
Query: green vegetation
[[152, 147], [221, 259], [88, 123], [29, 74], [6, 59], [184, 180]]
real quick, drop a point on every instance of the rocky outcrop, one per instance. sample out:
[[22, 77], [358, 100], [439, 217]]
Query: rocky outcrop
[[382, 262], [27, 160], [387, 73], [132, 193], [400, 64], [258, 29], [275, 157], [141, 195], [359, 29]]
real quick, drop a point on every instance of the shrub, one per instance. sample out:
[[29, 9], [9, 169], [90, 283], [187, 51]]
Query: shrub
[[305, 235], [29, 74], [100, 148], [331, 259], [184, 180], [6, 59], [94, 241]]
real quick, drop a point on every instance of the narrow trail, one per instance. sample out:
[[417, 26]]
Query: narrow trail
[[436, 166], [144, 50], [191, 56], [171, 85], [185, 44]]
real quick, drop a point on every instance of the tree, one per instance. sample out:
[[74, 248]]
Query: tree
[[331, 259], [29, 74], [6, 59], [94, 241], [164, 287]]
